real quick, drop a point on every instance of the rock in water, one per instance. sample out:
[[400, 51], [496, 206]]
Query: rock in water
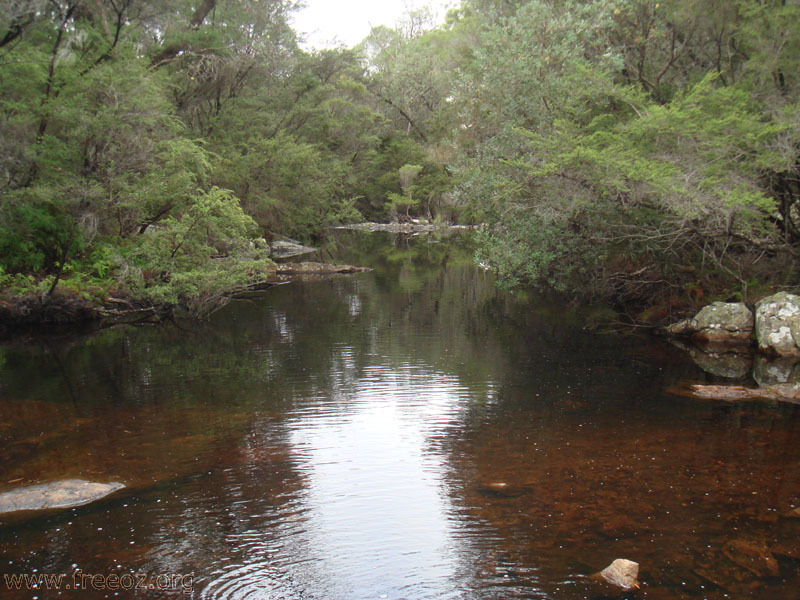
[[724, 323], [504, 490], [289, 248], [778, 324], [622, 573], [57, 494], [754, 556], [784, 392], [718, 323]]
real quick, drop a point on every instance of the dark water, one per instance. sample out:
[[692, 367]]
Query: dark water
[[407, 433]]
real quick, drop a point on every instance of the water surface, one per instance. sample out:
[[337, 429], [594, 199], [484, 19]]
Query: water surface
[[407, 433]]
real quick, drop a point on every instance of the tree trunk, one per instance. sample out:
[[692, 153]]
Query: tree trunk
[[171, 51], [202, 12], [16, 27]]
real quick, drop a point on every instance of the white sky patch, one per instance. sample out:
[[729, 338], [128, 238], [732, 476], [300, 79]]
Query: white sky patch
[[328, 23]]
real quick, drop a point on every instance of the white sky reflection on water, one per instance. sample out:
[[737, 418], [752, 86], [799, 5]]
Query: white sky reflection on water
[[377, 510]]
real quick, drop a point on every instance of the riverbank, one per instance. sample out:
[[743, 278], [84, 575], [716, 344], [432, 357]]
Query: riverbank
[[76, 303], [65, 308]]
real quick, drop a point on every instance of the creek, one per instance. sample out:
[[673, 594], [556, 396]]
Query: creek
[[412, 432]]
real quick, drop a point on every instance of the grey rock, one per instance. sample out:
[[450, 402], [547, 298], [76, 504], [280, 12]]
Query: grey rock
[[681, 328], [57, 494], [724, 323], [778, 324], [289, 248]]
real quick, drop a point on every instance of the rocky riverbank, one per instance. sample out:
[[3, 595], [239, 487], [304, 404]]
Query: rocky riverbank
[[731, 341]]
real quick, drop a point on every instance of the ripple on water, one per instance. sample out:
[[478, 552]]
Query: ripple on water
[[375, 518], [415, 434]]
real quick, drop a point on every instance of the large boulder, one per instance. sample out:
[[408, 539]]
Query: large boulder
[[718, 323], [724, 323], [778, 324]]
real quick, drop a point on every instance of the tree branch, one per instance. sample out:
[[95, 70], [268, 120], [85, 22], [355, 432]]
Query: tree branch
[[403, 113], [171, 51]]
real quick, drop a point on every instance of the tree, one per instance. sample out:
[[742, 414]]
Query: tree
[[102, 166], [397, 202], [198, 258], [621, 148]]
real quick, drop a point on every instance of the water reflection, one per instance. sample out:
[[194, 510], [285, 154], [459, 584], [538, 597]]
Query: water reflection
[[375, 517], [408, 433]]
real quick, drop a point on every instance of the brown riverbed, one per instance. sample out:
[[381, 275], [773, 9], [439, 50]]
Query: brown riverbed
[[410, 432]]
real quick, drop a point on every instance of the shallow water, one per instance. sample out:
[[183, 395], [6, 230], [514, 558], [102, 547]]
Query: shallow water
[[407, 433]]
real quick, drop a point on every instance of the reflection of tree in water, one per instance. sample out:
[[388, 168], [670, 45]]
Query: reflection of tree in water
[[132, 392], [561, 454]]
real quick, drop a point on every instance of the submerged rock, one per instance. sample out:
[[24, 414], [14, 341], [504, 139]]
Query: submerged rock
[[793, 514], [621, 573], [720, 571], [780, 392], [778, 324], [58, 494], [755, 556], [504, 490], [787, 548]]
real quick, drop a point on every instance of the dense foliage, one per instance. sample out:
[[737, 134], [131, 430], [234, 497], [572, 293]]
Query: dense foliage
[[630, 149], [146, 144], [634, 148]]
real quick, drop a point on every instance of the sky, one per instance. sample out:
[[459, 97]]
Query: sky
[[326, 22]]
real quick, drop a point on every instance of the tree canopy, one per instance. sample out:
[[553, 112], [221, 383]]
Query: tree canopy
[[634, 148]]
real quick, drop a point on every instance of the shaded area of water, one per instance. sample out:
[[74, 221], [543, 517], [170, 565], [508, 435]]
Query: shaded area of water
[[407, 433]]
